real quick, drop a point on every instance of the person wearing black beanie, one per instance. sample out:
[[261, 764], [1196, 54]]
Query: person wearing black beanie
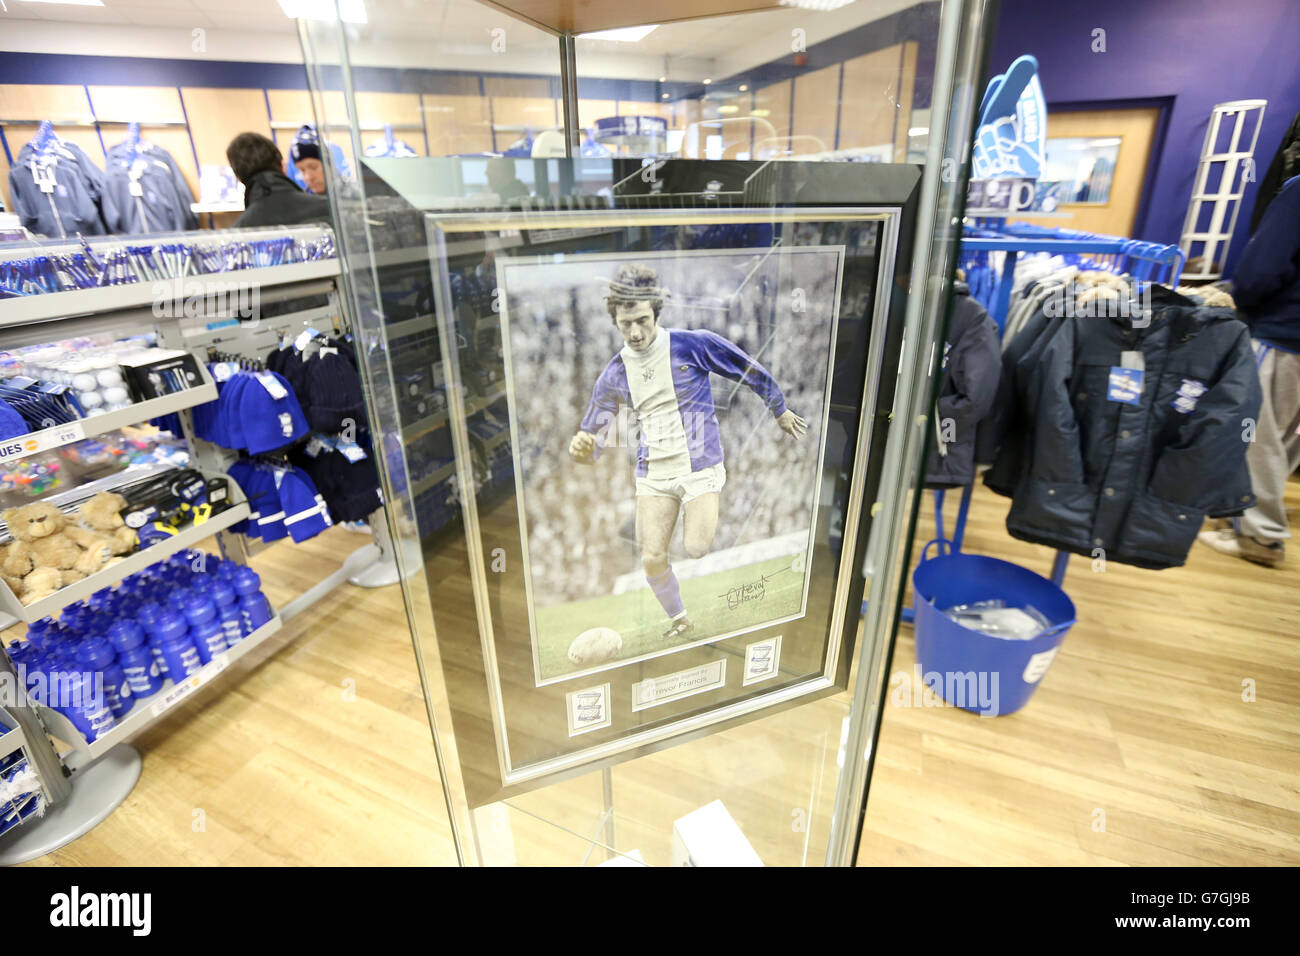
[[305, 153]]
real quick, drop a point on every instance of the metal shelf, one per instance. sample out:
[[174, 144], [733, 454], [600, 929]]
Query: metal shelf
[[137, 295], [425, 484], [151, 709], [111, 421], [418, 429], [12, 740], [402, 256], [412, 326], [132, 563]]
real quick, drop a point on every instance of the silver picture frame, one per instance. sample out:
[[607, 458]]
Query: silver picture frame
[[582, 752]]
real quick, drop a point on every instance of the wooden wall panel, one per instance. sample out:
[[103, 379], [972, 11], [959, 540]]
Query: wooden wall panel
[[399, 109], [816, 110], [456, 123], [124, 104], [57, 104], [906, 88], [772, 104], [873, 85], [591, 110], [520, 103], [217, 116]]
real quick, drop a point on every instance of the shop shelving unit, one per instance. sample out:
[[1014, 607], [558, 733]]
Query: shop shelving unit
[[149, 711], [111, 421], [86, 783], [107, 577]]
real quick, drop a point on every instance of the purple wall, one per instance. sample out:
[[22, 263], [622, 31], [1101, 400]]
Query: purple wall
[[1193, 53]]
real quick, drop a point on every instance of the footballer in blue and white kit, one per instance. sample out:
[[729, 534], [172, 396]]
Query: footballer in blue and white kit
[[663, 375]]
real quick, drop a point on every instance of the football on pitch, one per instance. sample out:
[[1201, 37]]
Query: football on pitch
[[595, 646]]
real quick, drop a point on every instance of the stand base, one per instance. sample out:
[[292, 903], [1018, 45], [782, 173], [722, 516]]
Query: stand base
[[381, 574], [96, 792]]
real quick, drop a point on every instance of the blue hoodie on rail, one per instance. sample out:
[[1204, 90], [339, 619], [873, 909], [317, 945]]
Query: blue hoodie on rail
[[1266, 285], [165, 198], [72, 206]]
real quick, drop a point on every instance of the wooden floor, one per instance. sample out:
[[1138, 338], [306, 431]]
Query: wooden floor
[[1137, 748], [317, 751]]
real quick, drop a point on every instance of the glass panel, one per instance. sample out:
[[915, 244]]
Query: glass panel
[[803, 80], [475, 435]]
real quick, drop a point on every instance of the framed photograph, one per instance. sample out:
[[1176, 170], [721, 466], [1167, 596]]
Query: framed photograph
[[662, 428]]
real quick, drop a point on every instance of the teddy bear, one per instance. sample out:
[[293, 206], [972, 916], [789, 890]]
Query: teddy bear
[[43, 557], [101, 523]]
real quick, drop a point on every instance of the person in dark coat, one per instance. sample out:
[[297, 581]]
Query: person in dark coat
[[1266, 286], [270, 197], [1285, 165], [972, 366]]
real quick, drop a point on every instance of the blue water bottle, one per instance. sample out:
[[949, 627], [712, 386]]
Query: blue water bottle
[[253, 607], [78, 699], [147, 616], [205, 625], [223, 595], [136, 658], [96, 655], [172, 638]]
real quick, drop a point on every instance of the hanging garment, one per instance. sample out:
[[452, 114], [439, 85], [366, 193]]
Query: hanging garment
[[57, 191], [972, 365], [1133, 429], [390, 146], [145, 191]]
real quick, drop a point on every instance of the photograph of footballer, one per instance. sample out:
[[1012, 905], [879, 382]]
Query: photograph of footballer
[[669, 413]]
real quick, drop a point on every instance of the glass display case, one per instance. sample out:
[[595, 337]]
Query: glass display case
[[648, 316]]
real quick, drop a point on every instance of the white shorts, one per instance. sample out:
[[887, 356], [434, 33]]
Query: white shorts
[[686, 487]]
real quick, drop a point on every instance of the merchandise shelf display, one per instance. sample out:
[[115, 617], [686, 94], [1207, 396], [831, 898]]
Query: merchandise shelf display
[[268, 286], [150, 710]]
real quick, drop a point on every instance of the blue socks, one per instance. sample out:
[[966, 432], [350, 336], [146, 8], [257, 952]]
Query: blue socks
[[668, 592]]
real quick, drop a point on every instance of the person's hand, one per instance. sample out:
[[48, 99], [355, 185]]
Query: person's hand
[[582, 447], [792, 424]]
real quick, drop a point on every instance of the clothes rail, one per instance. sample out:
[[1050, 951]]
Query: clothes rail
[[1144, 261]]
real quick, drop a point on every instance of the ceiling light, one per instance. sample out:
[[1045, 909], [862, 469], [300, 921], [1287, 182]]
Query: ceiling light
[[707, 82], [352, 11], [665, 96], [744, 87], [621, 35], [760, 113], [70, 3], [729, 108], [663, 79], [918, 131], [816, 4]]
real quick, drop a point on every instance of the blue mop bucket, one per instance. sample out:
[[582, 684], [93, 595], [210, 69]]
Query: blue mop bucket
[[978, 672]]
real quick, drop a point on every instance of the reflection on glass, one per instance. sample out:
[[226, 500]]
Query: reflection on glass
[[1079, 170]]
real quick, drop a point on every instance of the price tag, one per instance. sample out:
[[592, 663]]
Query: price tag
[[41, 441], [1125, 385], [271, 385]]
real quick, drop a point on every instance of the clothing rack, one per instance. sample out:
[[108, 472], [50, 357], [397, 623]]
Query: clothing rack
[[1144, 261]]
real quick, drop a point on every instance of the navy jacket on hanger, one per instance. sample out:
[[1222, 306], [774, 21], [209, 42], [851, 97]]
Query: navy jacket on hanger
[[72, 205], [1134, 475], [164, 201]]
